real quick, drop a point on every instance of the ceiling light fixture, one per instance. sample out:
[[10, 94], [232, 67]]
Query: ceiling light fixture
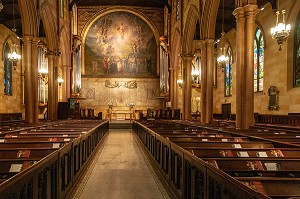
[[14, 56], [281, 30], [222, 59]]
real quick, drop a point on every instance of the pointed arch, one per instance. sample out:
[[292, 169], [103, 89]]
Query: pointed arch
[[189, 30], [209, 17], [29, 17], [49, 21]]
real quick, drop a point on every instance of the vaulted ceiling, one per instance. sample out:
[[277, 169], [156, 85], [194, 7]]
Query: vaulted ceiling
[[6, 14]]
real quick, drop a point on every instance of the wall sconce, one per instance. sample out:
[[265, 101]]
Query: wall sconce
[[43, 74], [60, 81], [180, 82], [281, 30]]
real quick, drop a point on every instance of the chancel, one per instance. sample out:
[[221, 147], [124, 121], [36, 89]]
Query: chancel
[[150, 99]]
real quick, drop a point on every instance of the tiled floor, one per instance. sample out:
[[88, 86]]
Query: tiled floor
[[120, 171]]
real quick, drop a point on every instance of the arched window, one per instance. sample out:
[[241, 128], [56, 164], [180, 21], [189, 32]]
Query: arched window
[[259, 54], [228, 73], [7, 71], [297, 54]]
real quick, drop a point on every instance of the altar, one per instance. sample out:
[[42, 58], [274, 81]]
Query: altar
[[121, 113]]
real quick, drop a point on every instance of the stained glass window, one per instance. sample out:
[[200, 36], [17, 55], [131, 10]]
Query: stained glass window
[[297, 54], [228, 73], [7, 71], [259, 54]]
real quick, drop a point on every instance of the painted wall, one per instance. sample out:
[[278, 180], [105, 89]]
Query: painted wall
[[99, 92]]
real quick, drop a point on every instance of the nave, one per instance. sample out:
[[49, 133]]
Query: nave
[[120, 169]]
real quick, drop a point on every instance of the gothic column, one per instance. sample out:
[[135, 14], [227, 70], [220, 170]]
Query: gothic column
[[29, 93], [240, 21], [68, 83], [250, 12], [34, 78], [174, 87], [210, 79], [203, 81], [51, 86], [187, 79]]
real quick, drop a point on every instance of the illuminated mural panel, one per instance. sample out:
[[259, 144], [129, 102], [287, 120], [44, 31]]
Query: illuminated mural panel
[[120, 44]]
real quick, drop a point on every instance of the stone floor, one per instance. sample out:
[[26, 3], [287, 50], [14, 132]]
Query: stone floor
[[121, 170]]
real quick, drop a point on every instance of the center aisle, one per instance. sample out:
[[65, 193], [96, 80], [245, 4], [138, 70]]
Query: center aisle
[[120, 171]]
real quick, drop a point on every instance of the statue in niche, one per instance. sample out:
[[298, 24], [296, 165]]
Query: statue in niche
[[273, 98]]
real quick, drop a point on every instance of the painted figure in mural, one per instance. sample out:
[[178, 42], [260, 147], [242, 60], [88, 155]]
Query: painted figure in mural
[[119, 65], [120, 43], [104, 65], [95, 66], [122, 29]]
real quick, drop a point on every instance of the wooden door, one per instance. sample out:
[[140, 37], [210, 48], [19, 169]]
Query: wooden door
[[226, 111]]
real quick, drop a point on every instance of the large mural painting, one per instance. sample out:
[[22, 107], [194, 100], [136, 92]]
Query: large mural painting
[[120, 44]]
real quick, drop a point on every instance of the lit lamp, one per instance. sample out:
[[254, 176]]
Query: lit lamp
[[222, 59], [14, 56], [60, 81], [195, 74], [281, 31], [43, 75], [180, 82], [1, 6]]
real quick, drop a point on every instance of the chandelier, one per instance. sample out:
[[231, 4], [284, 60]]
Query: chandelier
[[14, 56], [222, 59], [281, 31]]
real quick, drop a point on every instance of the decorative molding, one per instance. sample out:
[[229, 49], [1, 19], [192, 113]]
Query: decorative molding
[[129, 84]]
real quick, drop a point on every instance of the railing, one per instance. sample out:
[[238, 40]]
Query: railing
[[189, 176], [53, 176]]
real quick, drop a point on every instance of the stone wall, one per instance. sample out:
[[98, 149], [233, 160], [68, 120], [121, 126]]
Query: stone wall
[[278, 66], [10, 104]]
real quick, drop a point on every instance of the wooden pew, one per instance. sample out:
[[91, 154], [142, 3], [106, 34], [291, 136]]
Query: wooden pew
[[256, 162]]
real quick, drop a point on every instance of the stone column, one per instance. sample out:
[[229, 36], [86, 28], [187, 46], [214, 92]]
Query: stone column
[[55, 85], [210, 79], [184, 91], [34, 78], [68, 83], [240, 21], [250, 12], [187, 79], [29, 93], [203, 81], [51, 86]]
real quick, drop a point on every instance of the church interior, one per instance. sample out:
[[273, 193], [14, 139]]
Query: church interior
[[192, 98]]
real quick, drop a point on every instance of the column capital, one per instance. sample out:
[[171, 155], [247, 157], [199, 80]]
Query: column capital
[[186, 56], [54, 53], [27, 39], [251, 9], [209, 42], [238, 12]]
